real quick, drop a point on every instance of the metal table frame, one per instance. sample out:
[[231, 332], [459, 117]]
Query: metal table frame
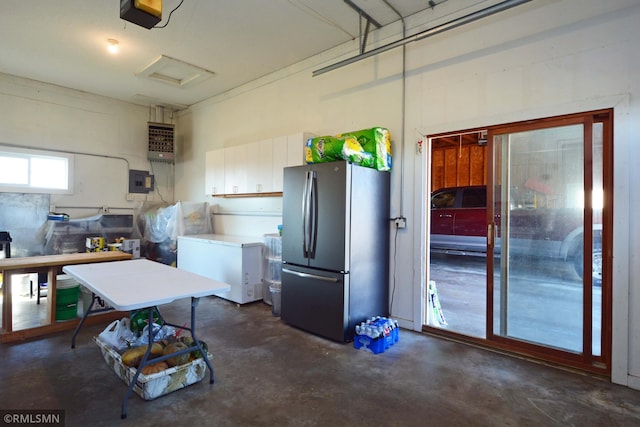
[[147, 276]]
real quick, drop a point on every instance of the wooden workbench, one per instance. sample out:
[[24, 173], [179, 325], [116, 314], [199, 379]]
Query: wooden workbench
[[52, 265]]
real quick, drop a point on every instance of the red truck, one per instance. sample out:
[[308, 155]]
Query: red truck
[[459, 226]]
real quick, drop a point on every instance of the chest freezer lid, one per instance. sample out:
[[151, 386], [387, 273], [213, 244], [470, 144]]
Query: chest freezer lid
[[224, 239]]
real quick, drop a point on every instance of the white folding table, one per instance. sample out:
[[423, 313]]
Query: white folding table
[[144, 284]]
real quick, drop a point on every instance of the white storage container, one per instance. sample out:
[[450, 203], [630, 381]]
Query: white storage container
[[272, 265]]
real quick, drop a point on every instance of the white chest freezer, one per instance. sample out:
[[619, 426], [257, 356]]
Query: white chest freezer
[[234, 260]]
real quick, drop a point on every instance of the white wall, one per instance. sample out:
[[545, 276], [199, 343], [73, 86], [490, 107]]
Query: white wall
[[107, 138], [544, 58]]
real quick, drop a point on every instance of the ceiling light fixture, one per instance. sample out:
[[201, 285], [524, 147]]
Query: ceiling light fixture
[[112, 46]]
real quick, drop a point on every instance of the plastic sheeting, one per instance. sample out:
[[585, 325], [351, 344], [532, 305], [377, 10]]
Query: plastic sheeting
[[67, 237], [24, 217], [160, 224]]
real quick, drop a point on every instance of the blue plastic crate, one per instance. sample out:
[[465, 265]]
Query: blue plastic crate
[[367, 343], [395, 333]]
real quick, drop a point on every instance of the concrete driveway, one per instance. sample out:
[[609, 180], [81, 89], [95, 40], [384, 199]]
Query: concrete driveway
[[544, 299]]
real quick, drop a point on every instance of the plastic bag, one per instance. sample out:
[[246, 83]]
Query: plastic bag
[[331, 148], [377, 142], [367, 147], [118, 334], [140, 319], [160, 332]]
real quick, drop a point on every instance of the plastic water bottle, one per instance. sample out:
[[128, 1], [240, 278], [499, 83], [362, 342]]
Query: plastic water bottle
[[371, 333]]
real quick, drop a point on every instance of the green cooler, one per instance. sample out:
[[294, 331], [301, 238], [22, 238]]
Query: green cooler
[[67, 292]]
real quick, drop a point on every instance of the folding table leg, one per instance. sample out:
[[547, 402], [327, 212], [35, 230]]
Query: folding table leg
[[87, 312], [84, 317], [123, 414], [194, 305]]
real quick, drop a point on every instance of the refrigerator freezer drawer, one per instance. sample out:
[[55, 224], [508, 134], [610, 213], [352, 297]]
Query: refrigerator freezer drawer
[[316, 302], [238, 265]]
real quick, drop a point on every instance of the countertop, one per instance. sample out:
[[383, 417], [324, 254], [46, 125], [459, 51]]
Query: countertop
[[22, 263]]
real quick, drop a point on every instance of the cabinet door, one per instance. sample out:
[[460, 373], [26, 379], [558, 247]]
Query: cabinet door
[[235, 170], [295, 148], [279, 160], [287, 151], [259, 166], [214, 172]]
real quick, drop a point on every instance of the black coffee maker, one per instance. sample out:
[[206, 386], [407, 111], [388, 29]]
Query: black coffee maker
[[5, 244]]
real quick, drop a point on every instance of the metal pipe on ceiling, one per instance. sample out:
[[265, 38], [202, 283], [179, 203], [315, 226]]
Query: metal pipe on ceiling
[[362, 13], [363, 45], [455, 23]]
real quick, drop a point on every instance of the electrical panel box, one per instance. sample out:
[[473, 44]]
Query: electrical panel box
[[161, 142], [140, 181]]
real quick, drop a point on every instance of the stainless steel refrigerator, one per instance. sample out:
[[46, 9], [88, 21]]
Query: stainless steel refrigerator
[[335, 247]]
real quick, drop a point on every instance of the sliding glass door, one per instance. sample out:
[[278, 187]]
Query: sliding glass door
[[544, 225], [526, 267]]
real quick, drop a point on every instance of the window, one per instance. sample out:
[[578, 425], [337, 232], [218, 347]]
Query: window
[[474, 198], [29, 171], [443, 199]]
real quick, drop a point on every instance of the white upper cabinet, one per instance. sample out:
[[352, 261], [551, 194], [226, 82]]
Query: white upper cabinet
[[295, 148], [287, 151], [214, 172], [253, 168], [259, 166], [280, 156], [235, 169]]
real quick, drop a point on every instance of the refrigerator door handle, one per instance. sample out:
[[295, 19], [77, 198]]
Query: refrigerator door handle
[[307, 214], [313, 213], [310, 276]]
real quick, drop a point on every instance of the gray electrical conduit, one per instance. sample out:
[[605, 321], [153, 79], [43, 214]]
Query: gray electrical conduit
[[401, 214]]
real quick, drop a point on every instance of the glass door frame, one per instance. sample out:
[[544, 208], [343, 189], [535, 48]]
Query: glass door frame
[[600, 364]]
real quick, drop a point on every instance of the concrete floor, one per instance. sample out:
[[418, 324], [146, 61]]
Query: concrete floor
[[268, 373]]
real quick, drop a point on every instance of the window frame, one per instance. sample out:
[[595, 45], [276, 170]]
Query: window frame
[[29, 155]]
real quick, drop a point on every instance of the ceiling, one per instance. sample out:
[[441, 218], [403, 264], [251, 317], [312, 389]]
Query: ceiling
[[64, 42]]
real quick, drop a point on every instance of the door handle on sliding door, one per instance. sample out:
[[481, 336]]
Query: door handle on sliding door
[[490, 236]]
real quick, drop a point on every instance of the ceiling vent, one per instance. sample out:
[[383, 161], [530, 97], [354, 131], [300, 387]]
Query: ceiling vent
[[175, 72]]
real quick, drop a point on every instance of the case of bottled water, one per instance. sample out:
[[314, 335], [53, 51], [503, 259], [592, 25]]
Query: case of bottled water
[[376, 334]]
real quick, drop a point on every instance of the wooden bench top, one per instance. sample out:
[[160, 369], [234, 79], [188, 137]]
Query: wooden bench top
[[44, 261]]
